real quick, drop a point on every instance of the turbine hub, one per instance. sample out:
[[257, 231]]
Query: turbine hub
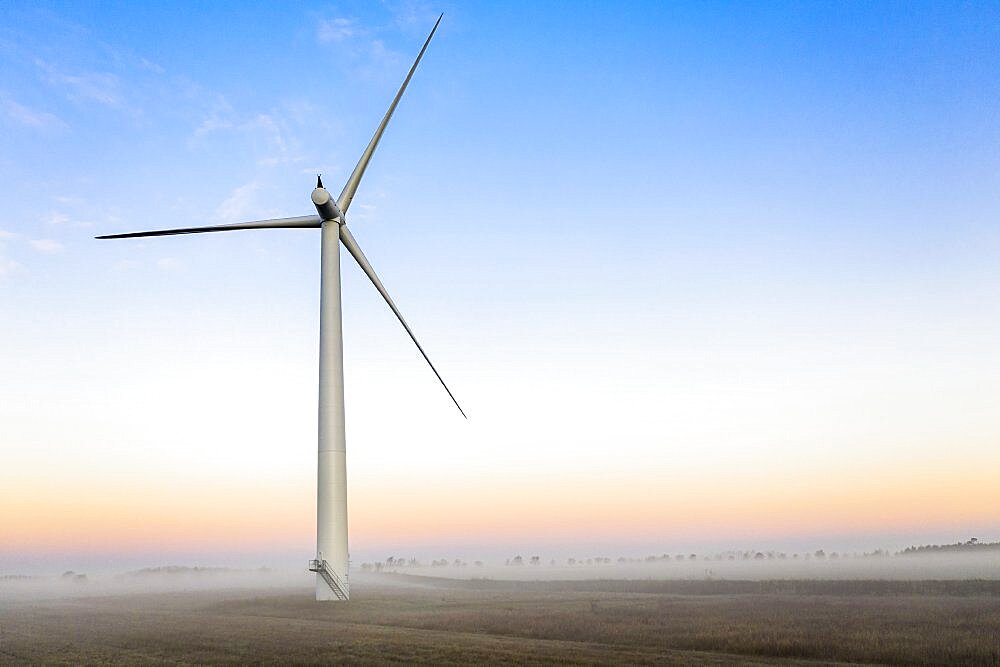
[[325, 205]]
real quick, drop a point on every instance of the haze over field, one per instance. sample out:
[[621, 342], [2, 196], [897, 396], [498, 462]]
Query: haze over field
[[704, 276]]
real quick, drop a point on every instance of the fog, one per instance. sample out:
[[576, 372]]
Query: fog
[[72, 584], [983, 564]]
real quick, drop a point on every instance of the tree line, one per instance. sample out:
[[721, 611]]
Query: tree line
[[393, 563]]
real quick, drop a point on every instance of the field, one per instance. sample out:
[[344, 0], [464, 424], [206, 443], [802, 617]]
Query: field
[[418, 620]]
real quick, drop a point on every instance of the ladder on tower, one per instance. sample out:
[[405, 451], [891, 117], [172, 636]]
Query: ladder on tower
[[323, 569]]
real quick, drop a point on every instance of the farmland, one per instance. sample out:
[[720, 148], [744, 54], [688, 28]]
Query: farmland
[[414, 620]]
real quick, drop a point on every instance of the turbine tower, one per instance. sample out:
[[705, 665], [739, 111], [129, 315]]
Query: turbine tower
[[331, 562]]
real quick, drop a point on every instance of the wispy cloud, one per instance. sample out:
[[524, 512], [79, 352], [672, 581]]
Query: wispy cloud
[[47, 246], [151, 66], [61, 219], [13, 241], [57, 219], [361, 45], [76, 211], [126, 264], [25, 115], [101, 87], [413, 16], [269, 133], [7, 265], [277, 147], [335, 29], [213, 123], [240, 204]]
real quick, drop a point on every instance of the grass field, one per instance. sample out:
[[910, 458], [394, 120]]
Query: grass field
[[411, 620]]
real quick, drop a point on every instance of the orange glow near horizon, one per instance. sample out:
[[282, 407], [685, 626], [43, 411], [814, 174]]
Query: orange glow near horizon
[[496, 512]]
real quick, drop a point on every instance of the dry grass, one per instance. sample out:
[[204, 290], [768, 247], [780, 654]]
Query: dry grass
[[530, 624]]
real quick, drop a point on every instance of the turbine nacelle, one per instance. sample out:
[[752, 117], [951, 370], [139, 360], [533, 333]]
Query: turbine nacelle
[[325, 204]]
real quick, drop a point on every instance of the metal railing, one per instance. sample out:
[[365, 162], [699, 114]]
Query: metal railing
[[339, 588]]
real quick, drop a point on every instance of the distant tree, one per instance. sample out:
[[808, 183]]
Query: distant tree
[[478, 563], [536, 560], [820, 553], [517, 561], [571, 561], [692, 556]]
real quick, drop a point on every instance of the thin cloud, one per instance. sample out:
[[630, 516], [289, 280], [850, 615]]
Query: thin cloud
[[126, 264], [100, 87], [271, 133], [151, 66], [57, 219], [47, 246], [382, 56], [266, 124], [24, 115], [335, 30], [360, 45], [212, 124], [240, 204], [413, 16], [7, 266], [60, 219]]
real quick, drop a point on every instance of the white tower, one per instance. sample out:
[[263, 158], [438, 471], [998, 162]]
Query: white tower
[[331, 564]]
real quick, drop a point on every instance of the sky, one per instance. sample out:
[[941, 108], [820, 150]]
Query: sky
[[703, 275]]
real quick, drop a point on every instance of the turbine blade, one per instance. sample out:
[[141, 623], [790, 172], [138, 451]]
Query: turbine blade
[[352, 246], [301, 222], [344, 201]]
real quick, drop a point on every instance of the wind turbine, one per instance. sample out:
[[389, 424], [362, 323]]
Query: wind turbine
[[331, 562]]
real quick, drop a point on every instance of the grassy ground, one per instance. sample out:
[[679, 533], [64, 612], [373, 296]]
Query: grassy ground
[[525, 623]]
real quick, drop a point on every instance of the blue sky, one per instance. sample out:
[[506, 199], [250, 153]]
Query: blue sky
[[706, 249]]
